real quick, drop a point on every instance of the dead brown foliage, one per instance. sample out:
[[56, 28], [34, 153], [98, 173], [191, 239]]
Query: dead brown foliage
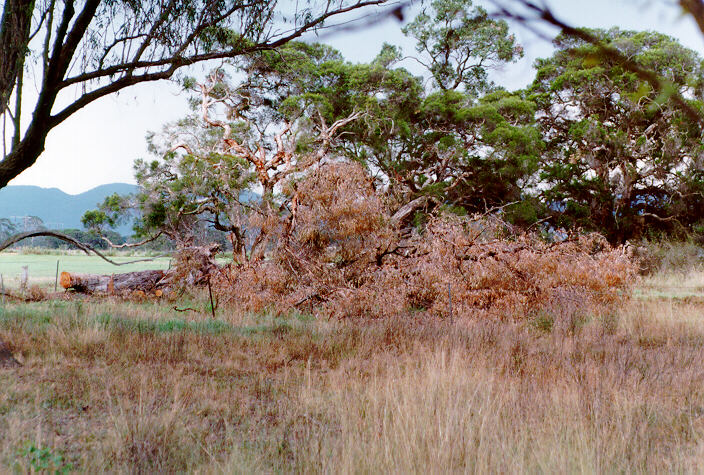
[[36, 293], [192, 266], [343, 257]]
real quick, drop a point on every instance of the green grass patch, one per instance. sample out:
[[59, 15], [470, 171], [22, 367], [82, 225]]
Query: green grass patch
[[273, 327], [141, 325], [39, 316], [28, 316]]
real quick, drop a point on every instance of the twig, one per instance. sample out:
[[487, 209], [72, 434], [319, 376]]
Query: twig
[[186, 309], [304, 299], [493, 210]]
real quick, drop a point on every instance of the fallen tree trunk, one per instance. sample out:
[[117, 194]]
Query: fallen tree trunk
[[146, 281]]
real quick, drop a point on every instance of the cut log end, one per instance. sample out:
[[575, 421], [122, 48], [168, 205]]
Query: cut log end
[[65, 280]]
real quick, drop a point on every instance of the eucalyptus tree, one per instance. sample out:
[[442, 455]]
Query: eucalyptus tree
[[621, 156], [458, 44], [257, 125], [261, 121], [85, 50], [457, 140]]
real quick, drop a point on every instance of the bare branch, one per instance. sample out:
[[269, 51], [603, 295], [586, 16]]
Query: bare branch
[[128, 245], [83, 247]]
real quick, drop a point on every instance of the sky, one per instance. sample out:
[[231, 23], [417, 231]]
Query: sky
[[99, 144]]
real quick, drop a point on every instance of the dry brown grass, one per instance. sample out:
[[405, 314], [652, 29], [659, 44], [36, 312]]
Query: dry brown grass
[[135, 388]]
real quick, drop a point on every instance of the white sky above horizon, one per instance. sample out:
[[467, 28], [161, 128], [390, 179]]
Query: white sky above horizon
[[99, 143]]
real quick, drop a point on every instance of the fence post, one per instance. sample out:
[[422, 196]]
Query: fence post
[[25, 278], [210, 291], [56, 281], [449, 296]]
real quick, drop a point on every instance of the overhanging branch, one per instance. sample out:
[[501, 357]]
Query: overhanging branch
[[658, 84], [82, 246]]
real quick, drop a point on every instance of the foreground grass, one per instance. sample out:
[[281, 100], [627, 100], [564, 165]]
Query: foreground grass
[[140, 388]]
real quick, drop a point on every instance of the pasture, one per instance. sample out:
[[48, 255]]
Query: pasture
[[138, 387], [42, 267]]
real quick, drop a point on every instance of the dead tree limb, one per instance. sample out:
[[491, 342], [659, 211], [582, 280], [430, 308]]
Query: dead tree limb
[[83, 247], [186, 309], [316, 295], [406, 211], [146, 281], [12, 296]]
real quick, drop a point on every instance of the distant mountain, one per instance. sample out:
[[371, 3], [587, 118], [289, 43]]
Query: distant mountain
[[57, 209]]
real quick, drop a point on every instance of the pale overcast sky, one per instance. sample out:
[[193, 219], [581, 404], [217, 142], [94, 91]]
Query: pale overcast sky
[[99, 144]]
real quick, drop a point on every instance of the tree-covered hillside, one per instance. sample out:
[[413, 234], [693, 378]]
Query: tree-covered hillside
[[57, 210]]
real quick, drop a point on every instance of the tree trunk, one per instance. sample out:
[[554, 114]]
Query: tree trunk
[[14, 37], [146, 281], [405, 213], [6, 358]]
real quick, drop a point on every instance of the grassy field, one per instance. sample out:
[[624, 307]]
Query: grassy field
[[141, 388], [676, 285], [42, 267]]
